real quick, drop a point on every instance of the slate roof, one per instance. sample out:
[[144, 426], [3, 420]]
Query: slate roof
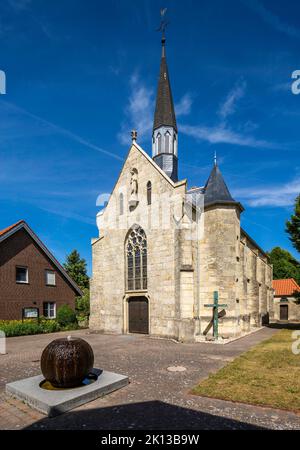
[[216, 190], [285, 287], [164, 110]]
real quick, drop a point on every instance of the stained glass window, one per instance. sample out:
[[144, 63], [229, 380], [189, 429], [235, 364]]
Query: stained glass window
[[136, 252]]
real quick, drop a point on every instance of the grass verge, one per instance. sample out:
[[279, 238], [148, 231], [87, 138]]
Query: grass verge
[[268, 375]]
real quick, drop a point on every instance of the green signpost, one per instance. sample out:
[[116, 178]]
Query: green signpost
[[215, 305]]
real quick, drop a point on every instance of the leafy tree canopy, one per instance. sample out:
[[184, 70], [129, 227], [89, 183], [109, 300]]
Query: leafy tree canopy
[[83, 304], [76, 268], [293, 225], [284, 264]]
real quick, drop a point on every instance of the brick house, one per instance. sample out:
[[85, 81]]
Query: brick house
[[30, 276], [285, 306]]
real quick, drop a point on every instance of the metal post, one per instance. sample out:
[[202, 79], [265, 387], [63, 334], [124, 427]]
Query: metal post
[[216, 312]]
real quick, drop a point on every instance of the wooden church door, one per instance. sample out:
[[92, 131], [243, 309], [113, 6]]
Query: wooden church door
[[138, 315]]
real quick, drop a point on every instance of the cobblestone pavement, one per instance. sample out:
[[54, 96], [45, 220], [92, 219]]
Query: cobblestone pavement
[[155, 398]]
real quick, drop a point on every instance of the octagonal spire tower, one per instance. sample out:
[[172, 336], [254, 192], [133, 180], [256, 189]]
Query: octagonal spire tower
[[165, 134]]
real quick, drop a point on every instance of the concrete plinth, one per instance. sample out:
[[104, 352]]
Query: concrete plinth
[[53, 403]]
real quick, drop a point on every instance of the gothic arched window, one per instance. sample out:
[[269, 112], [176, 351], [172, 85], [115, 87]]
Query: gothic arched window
[[149, 193], [136, 253], [167, 142], [175, 145], [121, 205], [159, 143]]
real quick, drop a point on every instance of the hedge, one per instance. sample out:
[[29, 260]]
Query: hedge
[[31, 326]]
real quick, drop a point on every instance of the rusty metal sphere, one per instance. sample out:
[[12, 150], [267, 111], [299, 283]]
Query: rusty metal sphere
[[67, 361]]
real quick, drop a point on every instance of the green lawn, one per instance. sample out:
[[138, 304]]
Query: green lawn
[[269, 375]]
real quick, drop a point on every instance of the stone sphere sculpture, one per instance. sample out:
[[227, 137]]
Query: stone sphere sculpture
[[66, 362]]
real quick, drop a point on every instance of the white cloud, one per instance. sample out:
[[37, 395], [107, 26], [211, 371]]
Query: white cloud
[[273, 195], [19, 5], [184, 106], [221, 134], [282, 87], [229, 106], [139, 112], [69, 214], [272, 19], [16, 111]]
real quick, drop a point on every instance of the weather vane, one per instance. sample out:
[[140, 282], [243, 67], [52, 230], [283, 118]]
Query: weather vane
[[163, 23], [215, 158]]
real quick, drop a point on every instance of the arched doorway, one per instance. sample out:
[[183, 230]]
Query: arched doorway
[[138, 315]]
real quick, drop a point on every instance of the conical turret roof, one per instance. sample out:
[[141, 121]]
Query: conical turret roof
[[216, 190]]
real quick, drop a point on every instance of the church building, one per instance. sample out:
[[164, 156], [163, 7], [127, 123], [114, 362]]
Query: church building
[[165, 251]]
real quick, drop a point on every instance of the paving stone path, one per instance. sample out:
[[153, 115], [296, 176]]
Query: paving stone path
[[156, 397]]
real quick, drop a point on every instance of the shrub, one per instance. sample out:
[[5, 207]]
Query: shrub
[[83, 305], [66, 316], [49, 325], [19, 328]]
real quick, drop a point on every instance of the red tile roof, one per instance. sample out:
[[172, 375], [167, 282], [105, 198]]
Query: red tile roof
[[285, 287], [10, 227]]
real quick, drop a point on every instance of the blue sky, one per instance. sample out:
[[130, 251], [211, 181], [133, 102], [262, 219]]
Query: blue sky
[[82, 74]]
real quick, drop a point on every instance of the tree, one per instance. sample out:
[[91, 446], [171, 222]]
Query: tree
[[284, 264], [83, 304], [76, 268], [293, 225]]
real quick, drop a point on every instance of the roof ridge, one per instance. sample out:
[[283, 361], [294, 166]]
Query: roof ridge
[[162, 172], [34, 236], [10, 227], [285, 286]]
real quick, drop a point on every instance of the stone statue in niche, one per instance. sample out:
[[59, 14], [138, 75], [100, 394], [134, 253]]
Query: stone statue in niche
[[133, 199]]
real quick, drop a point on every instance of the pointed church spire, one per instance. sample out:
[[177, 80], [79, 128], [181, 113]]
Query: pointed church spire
[[216, 190], [164, 137], [164, 109]]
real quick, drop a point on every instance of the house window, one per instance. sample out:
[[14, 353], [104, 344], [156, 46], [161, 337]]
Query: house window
[[136, 252], [50, 278], [121, 205], [22, 275], [149, 192], [49, 310]]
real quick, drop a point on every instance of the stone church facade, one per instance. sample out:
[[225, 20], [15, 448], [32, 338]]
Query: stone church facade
[[164, 249]]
